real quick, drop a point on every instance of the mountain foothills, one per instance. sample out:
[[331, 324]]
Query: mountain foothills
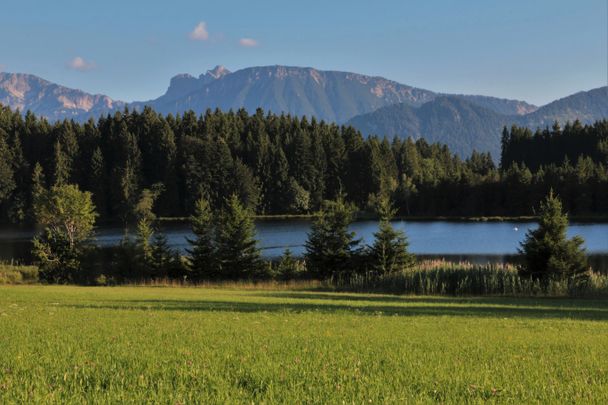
[[373, 105]]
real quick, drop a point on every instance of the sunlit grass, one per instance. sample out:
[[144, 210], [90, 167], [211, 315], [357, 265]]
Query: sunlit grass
[[220, 345]]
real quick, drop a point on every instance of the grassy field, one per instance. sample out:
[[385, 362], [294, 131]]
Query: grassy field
[[205, 345]]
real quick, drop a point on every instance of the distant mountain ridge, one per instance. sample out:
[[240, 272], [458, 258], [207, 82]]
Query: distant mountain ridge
[[28, 92], [327, 95], [464, 126], [370, 103]]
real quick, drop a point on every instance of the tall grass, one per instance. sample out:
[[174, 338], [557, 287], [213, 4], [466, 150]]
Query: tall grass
[[231, 284], [445, 278], [11, 273], [431, 277]]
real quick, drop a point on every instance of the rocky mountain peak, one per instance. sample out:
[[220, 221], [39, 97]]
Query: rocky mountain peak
[[217, 72]]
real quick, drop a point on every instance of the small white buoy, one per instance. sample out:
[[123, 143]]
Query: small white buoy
[[516, 229]]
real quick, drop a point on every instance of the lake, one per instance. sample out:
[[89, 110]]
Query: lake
[[478, 242]]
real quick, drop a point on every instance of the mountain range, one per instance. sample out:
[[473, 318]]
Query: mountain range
[[374, 105], [466, 126]]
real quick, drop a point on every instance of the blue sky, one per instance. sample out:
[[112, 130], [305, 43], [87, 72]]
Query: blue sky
[[535, 50]]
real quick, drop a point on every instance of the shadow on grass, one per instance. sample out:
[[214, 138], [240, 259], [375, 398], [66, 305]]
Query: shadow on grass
[[561, 302], [490, 308]]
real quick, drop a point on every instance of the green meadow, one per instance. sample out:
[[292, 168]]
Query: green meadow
[[175, 345]]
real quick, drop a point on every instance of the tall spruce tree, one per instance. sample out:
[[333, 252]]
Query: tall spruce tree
[[97, 181], [38, 189], [144, 213], [202, 254], [331, 248], [389, 252], [546, 252], [163, 261], [237, 252], [7, 179], [61, 166]]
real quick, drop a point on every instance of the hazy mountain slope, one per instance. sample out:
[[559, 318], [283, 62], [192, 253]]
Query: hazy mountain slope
[[464, 126], [501, 105], [55, 102], [586, 106], [452, 120]]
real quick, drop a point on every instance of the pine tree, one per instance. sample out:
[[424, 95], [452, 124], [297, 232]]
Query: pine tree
[[97, 181], [289, 268], [61, 172], [389, 252], [18, 209], [144, 213], [7, 180], [162, 260], [546, 252], [202, 254], [237, 252], [142, 241], [38, 189], [331, 247]]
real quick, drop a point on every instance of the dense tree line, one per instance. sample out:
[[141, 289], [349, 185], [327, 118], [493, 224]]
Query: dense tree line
[[555, 146], [282, 164]]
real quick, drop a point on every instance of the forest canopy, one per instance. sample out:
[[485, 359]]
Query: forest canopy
[[280, 164]]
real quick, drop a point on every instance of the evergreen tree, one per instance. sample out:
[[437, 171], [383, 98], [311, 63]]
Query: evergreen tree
[[163, 258], [202, 254], [546, 252], [245, 185], [143, 243], [7, 180], [331, 248], [389, 252], [289, 268], [61, 167], [18, 208], [97, 181], [38, 189], [144, 213], [237, 252]]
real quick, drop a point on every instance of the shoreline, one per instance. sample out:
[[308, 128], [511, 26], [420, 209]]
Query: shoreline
[[414, 218]]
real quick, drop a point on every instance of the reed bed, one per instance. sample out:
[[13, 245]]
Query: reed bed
[[439, 277], [12, 273]]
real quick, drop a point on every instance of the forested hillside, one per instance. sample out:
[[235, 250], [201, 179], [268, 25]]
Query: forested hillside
[[280, 165]]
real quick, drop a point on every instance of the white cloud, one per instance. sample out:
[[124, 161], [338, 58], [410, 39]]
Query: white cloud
[[199, 33], [248, 42], [78, 63]]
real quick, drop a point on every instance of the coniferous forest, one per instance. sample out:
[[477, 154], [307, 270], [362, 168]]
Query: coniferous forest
[[288, 165]]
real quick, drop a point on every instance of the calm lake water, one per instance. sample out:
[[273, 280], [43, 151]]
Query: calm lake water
[[479, 242]]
